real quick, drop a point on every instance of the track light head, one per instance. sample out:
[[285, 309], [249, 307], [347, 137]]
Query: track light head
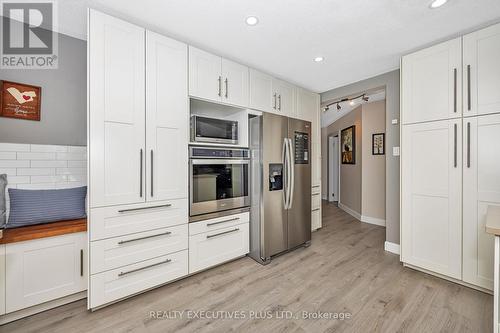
[[326, 109], [338, 106], [366, 98]]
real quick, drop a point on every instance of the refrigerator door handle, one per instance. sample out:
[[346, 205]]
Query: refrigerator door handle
[[284, 176], [292, 173]]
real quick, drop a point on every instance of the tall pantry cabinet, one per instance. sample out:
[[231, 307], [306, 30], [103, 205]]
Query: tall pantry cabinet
[[137, 125], [450, 158]]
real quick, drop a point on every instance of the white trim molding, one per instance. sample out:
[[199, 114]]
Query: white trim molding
[[350, 211], [373, 220], [391, 247]]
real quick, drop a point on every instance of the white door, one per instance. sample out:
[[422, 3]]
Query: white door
[[167, 118], [2, 279], [333, 194], [235, 83], [431, 196], [116, 111], [261, 91], [42, 270], [481, 166], [482, 71], [431, 81], [285, 98], [205, 79]]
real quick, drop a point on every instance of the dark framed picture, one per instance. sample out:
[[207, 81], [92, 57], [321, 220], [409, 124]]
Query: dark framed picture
[[378, 144], [348, 142], [19, 100]]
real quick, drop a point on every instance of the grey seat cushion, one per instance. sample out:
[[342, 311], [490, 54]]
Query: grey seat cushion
[[3, 184], [29, 207]]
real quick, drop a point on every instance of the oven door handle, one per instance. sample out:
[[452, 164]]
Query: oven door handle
[[216, 161]]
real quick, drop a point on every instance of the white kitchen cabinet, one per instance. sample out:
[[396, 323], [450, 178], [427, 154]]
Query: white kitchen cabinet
[[167, 118], [432, 81], [216, 79], [215, 247], [481, 182], [2, 279], [285, 98], [431, 227], [481, 71], [42, 270], [261, 92], [117, 111]]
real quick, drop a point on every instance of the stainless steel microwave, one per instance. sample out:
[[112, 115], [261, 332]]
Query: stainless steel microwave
[[204, 129]]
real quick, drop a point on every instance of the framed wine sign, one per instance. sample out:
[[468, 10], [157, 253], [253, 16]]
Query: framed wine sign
[[19, 100]]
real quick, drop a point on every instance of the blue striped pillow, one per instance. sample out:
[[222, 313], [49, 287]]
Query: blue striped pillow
[[28, 207]]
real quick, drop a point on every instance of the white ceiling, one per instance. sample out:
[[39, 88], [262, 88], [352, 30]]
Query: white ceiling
[[357, 38]]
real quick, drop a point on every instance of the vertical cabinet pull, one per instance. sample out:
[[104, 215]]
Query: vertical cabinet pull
[[469, 103], [455, 90], [225, 82], [468, 145], [220, 86], [274, 103], [152, 174], [81, 262], [279, 102], [455, 152], [140, 175]]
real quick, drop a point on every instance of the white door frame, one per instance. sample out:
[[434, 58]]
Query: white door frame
[[333, 168]]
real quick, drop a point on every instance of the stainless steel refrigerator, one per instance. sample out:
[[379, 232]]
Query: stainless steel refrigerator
[[280, 215]]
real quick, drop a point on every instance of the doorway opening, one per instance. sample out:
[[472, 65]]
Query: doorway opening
[[333, 169]]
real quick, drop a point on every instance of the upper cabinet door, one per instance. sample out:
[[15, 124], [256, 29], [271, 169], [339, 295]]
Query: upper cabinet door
[[261, 92], [116, 111], [235, 83], [481, 72], [205, 79], [307, 104], [285, 95], [167, 118], [431, 82]]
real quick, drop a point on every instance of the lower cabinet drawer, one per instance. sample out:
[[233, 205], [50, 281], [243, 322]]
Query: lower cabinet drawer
[[215, 247], [121, 251], [125, 281], [316, 201], [316, 219], [218, 223]]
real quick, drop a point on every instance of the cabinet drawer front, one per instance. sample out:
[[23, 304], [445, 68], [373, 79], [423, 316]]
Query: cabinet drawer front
[[43, 270], [125, 281], [316, 201], [218, 223], [125, 250], [316, 219], [215, 247], [315, 189], [116, 221]]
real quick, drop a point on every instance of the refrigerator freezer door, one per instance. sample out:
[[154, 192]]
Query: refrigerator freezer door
[[274, 224], [299, 212]]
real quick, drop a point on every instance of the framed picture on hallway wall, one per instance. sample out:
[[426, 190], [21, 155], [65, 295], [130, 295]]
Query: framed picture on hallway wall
[[378, 144], [19, 100], [348, 145]]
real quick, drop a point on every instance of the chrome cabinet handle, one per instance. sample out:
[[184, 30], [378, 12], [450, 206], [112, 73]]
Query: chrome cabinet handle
[[468, 145], [455, 90], [220, 86], [152, 169], [140, 175], [274, 105], [315, 194], [81, 262], [145, 237], [145, 267], [215, 223], [222, 233], [142, 208], [316, 209], [316, 186], [455, 152], [469, 103], [279, 102], [225, 82]]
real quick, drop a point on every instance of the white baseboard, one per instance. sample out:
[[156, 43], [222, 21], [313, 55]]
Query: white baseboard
[[392, 247], [373, 220], [350, 211]]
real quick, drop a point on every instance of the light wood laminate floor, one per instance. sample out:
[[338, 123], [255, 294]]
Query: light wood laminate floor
[[344, 270]]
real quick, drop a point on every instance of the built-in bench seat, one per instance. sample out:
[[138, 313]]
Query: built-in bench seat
[[42, 231]]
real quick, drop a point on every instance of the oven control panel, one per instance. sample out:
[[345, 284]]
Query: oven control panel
[[224, 153]]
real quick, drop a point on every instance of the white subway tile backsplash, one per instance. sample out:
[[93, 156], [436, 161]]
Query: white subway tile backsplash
[[9, 172], [70, 185], [36, 156], [71, 171], [48, 179], [14, 147], [36, 171], [41, 186], [76, 178], [14, 164], [77, 149], [49, 149], [72, 156], [49, 164], [7, 155], [77, 164], [18, 179]]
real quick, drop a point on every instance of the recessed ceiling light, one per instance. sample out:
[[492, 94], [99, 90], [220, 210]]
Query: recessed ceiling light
[[318, 59], [438, 3], [252, 20], [352, 103]]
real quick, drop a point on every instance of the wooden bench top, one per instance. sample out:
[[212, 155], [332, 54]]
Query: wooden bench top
[[493, 220], [42, 230]]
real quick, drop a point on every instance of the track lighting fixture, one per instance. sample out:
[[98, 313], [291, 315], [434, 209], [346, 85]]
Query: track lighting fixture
[[348, 99], [338, 106]]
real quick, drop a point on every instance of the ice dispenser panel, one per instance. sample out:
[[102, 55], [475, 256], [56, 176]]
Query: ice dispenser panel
[[275, 177]]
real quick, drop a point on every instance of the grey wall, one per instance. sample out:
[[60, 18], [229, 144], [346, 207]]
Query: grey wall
[[64, 98], [390, 81], [350, 174]]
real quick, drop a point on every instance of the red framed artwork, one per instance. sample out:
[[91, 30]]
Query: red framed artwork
[[19, 100]]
